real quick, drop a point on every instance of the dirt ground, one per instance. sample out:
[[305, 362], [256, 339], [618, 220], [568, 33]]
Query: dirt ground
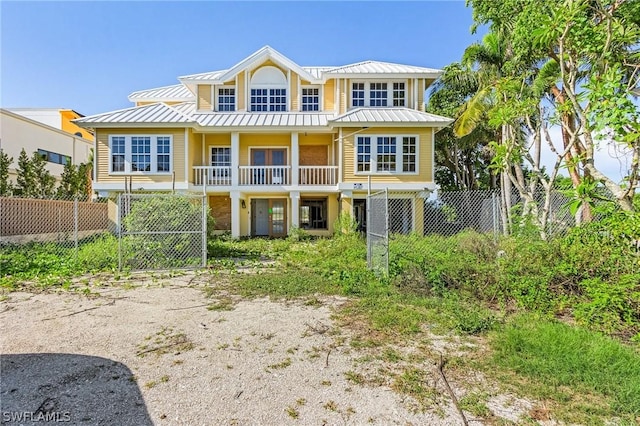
[[158, 351]]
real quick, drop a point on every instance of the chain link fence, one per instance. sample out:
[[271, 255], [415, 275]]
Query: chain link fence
[[396, 221], [162, 231], [59, 226]]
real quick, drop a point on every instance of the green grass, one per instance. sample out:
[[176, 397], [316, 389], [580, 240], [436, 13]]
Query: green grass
[[565, 361]]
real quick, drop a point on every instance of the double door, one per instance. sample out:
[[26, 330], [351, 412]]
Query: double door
[[269, 175], [268, 217]]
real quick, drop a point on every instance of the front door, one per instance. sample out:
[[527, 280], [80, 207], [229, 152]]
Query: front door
[[268, 217]]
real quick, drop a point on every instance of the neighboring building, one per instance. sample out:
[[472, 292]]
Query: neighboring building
[[57, 146], [276, 145], [59, 118]]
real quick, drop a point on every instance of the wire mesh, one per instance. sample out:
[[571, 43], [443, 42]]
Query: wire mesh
[[378, 232], [396, 220], [162, 231], [56, 226]]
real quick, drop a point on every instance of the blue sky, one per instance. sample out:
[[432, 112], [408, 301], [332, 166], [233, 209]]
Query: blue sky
[[89, 56]]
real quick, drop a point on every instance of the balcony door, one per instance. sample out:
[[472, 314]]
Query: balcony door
[[269, 157]]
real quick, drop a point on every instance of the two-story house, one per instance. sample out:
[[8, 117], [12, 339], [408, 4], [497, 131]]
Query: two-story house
[[276, 145]]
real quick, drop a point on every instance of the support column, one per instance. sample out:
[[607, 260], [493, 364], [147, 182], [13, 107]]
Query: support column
[[418, 215], [235, 159], [295, 210], [295, 159], [235, 214]]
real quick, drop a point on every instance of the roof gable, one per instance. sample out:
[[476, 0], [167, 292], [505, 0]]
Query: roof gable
[[253, 61]]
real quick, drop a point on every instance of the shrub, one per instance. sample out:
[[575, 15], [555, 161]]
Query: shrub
[[345, 224]]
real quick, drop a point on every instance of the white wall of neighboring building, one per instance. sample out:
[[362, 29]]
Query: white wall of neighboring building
[[18, 132], [48, 116]]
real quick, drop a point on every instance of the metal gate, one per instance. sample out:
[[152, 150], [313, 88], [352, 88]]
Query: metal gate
[[162, 231], [378, 232]]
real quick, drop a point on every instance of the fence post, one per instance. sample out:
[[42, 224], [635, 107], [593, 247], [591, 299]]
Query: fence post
[[75, 226], [368, 207], [386, 229], [119, 230], [204, 231]]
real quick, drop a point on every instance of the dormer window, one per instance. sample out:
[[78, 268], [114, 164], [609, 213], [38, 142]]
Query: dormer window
[[378, 94], [310, 99], [226, 99], [268, 90]]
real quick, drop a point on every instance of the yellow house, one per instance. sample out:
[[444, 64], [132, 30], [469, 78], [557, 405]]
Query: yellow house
[[276, 145]]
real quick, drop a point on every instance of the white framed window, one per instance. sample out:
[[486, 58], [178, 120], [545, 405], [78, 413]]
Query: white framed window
[[117, 157], [399, 94], [387, 154], [268, 90], [140, 154], [310, 99], [409, 154], [357, 94], [378, 93], [364, 154], [268, 100], [226, 99]]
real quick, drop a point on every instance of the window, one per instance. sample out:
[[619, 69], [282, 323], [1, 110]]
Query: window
[[140, 154], [386, 150], [117, 153], [357, 94], [313, 213], [268, 100], [226, 99], [398, 94], [387, 154], [378, 94], [364, 154], [54, 157], [220, 156], [163, 153], [409, 154], [310, 99]]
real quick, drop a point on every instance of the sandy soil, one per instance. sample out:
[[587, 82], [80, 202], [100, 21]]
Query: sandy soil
[[150, 352]]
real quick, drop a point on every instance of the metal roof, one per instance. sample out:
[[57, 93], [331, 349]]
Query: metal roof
[[262, 119], [211, 75], [317, 71], [154, 113], [377, 67], [165, 93], [390, 116]]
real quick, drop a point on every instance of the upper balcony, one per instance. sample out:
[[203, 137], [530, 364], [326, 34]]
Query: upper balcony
[[264, 176]]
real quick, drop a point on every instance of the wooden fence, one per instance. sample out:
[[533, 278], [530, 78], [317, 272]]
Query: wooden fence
[[24, 217]]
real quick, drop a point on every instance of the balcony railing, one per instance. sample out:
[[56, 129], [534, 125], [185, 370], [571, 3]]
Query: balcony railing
[[318, 175], [212, 175], [265, 175]]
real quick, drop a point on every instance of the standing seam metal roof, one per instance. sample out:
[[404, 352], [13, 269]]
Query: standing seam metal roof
[[390, 115], [154, 113], [176, 91]]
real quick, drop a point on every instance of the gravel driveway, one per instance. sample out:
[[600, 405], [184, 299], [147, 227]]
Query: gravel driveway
[[157, 351]]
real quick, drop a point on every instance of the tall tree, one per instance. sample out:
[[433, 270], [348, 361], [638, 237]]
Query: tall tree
[[6, 187], [33, 180]]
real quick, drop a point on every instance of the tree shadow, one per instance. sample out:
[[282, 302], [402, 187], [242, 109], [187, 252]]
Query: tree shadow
[[69, 388]]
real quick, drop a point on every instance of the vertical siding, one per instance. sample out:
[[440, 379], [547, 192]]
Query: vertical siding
[[421, 94], [295, 96], [102, 137], [204, 97], [329, 95], [424, 156], [240, 96]]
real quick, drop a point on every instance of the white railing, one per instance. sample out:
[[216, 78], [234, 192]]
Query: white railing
[[265, 175], [212, 175], [318, 175]]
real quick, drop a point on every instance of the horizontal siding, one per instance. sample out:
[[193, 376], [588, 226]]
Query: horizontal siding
[[424, 156], [204, 97], [102, 154], [195, 152]]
